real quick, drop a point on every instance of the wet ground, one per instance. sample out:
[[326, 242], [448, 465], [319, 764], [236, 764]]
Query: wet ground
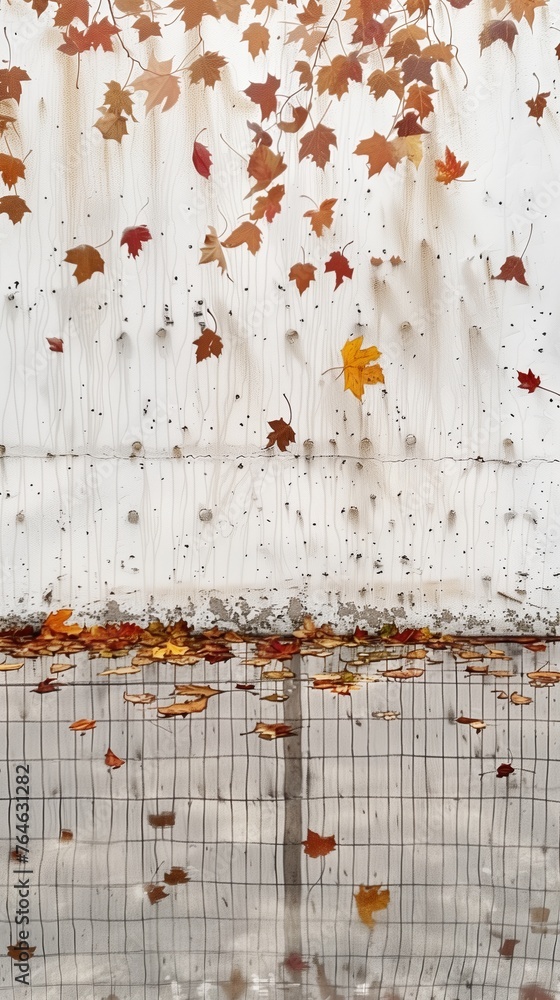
[[180, 864]]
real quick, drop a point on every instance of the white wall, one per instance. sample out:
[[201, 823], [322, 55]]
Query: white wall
[[435, 500]]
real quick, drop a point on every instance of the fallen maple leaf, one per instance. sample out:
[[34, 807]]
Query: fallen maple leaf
[[65, 836], [202, 159], [155, 893], [529, 381], [111, 759], [56, 622], [379, 151], [139, 699], [303, 275], [176, 876], [322, 217], [11, 169], [207, 69], [317, 846], [212, 250], [247, 233], [370, 900], [494, 31], [82, 725], [269, 205], [264, 94], [209, 343], [281, 434], [316, 144], [13, 206], [87, 259], [358, 368], [257, 37], [537, 105], [504, 771], [134, 237], [160, 84], [449, 169], [55, 344], [21, 952], [48, 686], [340, 264], [159, 820], [184, 708], [476, 724], [271, 730], [513, 268], [264, 166]]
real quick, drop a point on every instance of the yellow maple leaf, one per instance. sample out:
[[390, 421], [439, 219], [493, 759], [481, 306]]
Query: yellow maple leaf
[[358, 369], [368, 900]]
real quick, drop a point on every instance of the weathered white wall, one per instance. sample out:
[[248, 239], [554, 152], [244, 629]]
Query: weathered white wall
[[435, 499]]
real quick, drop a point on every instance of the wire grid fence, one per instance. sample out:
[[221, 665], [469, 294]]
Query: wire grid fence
[[471, 861]]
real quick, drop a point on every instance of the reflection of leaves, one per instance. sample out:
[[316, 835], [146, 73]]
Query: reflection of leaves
[[476, 724], [235, 986], [370, 900], [317, 846], [15, 951]]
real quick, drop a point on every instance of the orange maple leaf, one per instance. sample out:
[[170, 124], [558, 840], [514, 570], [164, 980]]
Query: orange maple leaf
[[87, 259], [449, 169], [212, 250], [369, 900], [194, 11], [207, 68], [269, 205], [316, 144], [155, 893], [537, 105], [264, 94], [111, 759], [379, 151], [161, 86], [381, 83], [358, 368], [146, 28], [317, 846], [271, 730], [303, 275], [12, 169], [264, 166], [247, 233], [56, 622], [176, 876], [322, 217], [82, 725], [257, 37], [336, 76]]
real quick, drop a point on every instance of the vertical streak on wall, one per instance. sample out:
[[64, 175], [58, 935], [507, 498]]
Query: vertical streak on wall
[[293, 835]]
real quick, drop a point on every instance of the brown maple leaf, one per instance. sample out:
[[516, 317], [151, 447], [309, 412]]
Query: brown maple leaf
[[70, 10], [230, 9], [111, 759], [409, 125], [322, 217], [257, 37], [336, 76], [207, 68], [494, 31], [87, 259], [10, 83], [111, 126], [83, 725], [160, 84], [450, 168], [247, 233], [526, 9], [379, 151], [269, 205], [271, 730], [404, 43], [21, 952], [310, 38], [209, 343], [381, 83], [306, 76], [312, 13], [417, 68], [212, 250], [49, 685], [507, 947], [176, 876], [340, 264], [11, 169], [537, 105], [146, 28], [56, 345], [155, 893], [316, 144], [160, 820], [317, 846], [303, 275], [264, 94], [420, 99], [281, 434], [194, 11], [118, 100], [512, 269], [370, 900]]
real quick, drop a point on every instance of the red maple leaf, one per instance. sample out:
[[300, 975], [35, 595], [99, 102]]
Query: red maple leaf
[[513, 268], [504, 771], [99, 35], [134, 237], [528, 381], [55, 344], [264, 94], [338, 263], [317, 846]]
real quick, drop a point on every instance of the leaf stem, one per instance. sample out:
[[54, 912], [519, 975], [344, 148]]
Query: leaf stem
[[289, 406]]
